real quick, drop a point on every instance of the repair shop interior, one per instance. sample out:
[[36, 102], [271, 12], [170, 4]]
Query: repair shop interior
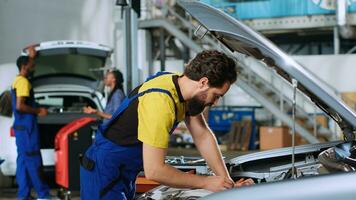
[[178, 99]]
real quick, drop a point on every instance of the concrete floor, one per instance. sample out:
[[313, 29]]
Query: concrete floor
[[10, 193]]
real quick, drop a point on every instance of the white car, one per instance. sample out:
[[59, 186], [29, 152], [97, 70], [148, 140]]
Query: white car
[[68, 76]]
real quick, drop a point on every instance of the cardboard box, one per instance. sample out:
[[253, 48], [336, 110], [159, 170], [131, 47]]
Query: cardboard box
[[299, 140], [274, 137], [350, 99], [322, 120]]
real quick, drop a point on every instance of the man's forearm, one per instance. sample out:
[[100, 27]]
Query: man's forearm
[[173, 177], [27, 109], [103, 115], [206, 143], [210, 151]]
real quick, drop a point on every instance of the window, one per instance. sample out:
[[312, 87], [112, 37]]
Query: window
[[65, 103]]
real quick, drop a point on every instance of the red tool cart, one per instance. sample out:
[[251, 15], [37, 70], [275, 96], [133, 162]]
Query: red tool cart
[[71, 143]]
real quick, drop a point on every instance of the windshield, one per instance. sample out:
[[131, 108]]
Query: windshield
[[68, 64], [65, 103]]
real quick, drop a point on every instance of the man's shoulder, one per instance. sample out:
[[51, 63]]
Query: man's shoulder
[[161, 102], [164, 82], [20, 80]]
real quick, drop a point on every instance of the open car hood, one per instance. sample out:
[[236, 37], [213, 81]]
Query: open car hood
[[238, 37], [77, 58]]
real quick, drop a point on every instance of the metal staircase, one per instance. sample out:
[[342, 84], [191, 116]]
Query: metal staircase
[[256, 79]]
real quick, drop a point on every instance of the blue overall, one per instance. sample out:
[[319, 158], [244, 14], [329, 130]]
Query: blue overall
[[112, 169], [29, 161]]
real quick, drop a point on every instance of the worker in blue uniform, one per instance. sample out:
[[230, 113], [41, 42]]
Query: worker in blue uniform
[[137, 135], [29, 161]]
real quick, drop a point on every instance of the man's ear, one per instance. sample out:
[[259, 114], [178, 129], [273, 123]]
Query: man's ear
[[204, 83]]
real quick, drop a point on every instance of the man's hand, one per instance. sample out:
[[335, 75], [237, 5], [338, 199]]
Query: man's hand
[[42, 112], [217, 183], [32, 52], [242, 182], [89, 110]]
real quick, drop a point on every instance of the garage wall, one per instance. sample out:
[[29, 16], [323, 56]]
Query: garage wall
[[24, 22]]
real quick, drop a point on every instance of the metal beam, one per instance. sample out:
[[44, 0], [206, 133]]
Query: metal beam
[[162, 49], [128, 38], [336, 40], [276, 111], [296, 23], [172, 29]]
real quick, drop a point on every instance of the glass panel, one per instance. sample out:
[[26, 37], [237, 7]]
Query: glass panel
[[68, 64], [64, 103]]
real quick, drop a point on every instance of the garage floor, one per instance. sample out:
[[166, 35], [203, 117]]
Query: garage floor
[[10, 193]]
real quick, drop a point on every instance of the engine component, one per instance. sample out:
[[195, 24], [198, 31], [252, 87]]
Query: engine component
[[339, 158]]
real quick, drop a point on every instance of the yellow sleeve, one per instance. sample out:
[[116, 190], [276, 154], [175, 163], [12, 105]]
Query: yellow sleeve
[[23, 87], [156, 115]]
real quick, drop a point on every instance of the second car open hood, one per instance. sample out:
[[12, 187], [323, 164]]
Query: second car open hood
[[238, 37], [77, 58]]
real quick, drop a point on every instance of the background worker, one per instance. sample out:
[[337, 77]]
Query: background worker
[[114, 80], [138, 134], [29, 160]]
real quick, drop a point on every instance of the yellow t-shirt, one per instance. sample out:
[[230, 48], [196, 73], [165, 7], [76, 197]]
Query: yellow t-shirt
[[149, 119], [22, 86], [156, 112]]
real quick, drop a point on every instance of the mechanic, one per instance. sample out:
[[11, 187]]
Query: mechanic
[[138, 133], [113, 80], [29, 160]]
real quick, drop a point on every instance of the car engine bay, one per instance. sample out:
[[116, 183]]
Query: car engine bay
[[265, 167]]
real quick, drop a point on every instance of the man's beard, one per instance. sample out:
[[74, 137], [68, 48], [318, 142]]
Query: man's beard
[[195, 106]]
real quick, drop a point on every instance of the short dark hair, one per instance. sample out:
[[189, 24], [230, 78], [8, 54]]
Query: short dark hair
[[22, 60], [215, 65]]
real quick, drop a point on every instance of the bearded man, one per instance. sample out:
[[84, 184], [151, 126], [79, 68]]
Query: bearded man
[[137, 135]]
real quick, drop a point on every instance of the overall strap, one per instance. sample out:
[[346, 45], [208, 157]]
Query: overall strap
[[125, 104], [128, 100], [157, 74]]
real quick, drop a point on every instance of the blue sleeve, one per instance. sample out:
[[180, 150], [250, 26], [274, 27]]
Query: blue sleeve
[[114, 102]]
